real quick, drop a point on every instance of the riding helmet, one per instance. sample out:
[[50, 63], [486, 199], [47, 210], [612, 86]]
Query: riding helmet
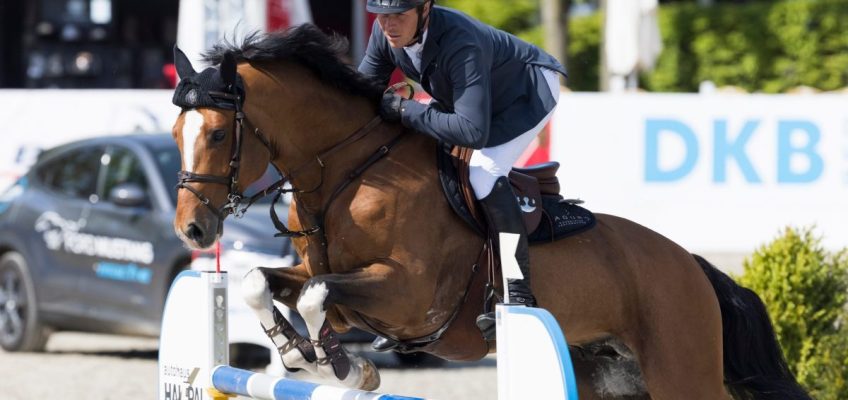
[[392, 6]]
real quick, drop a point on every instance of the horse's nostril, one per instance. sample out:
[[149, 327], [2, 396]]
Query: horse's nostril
[[194, 232]]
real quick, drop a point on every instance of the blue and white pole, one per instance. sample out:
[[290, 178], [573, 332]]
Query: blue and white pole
[[236, 381]]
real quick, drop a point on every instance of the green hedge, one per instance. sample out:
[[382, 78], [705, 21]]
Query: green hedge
[[761, 47], [765, 47], [513, 16], [805, 290]]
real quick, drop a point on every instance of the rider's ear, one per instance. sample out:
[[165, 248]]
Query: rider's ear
[[184, 68], [228, 70]]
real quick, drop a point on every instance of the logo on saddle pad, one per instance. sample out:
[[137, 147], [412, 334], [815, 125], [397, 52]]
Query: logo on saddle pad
[[527, 204]]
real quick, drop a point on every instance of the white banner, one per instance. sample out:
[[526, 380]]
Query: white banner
[[715, 173], [35, 120]]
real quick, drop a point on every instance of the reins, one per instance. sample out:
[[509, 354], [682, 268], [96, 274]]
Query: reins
[[237, 204], [320, 159]]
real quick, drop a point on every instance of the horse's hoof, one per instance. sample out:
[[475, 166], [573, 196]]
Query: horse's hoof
[[370, 376]]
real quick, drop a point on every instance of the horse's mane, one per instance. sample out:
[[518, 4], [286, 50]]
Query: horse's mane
[[308, 46]]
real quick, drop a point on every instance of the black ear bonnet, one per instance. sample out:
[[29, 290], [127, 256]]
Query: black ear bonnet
[[214, 87]]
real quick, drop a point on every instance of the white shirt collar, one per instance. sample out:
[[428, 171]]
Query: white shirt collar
[[414, 51], [417, 47]]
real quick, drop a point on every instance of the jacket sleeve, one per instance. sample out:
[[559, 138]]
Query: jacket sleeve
[[376, 63], [468, 124]]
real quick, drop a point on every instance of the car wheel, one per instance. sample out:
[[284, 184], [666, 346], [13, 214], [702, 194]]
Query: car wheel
[[20, 326]]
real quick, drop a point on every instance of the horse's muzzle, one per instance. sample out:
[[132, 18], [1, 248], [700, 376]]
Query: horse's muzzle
[[198, 236]]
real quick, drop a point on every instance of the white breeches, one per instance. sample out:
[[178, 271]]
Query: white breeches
[[490, 163]]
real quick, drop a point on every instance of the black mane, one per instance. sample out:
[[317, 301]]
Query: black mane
[[308, 46]]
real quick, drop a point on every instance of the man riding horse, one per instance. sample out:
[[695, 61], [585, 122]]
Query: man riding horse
[[492, 92]]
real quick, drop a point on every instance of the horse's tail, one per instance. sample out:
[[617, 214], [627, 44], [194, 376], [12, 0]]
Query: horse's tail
[[754, 367]]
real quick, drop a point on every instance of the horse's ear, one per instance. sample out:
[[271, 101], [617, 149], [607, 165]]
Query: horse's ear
[[228, 69], [184, 68]]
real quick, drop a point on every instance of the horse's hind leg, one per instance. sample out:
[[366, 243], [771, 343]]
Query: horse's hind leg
[[679, 340], [283, 284]]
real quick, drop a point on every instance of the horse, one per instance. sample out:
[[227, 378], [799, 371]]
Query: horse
[[383, 251]]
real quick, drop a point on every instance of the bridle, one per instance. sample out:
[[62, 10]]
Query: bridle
[[237, 204], [234, 198]]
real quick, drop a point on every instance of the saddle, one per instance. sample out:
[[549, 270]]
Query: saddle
[[548, 216]]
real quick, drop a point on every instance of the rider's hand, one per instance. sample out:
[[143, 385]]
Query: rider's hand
[[391, 106]]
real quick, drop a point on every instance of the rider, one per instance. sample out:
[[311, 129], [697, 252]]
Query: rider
[[491, 92]]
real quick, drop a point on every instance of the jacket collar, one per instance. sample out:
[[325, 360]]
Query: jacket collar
[[435, 30], [434, 34]]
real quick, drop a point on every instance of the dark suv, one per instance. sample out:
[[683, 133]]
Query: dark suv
[[87, 242]]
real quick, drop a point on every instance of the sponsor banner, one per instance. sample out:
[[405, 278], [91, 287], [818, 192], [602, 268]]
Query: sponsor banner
[[36, 120], [715, 173]]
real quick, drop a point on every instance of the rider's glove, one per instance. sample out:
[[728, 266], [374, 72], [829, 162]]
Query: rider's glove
[[391, 106]]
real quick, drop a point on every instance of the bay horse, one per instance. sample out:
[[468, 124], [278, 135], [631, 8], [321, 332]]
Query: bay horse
[[383, 251]]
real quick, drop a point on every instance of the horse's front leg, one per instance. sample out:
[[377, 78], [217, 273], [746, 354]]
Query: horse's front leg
[[365, 290], [259, 287]]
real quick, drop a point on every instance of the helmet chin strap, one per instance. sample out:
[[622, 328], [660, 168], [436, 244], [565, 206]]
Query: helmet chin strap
[[419, 32]]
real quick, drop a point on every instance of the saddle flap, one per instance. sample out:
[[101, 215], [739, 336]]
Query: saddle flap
[[529, 198], [545, 174]]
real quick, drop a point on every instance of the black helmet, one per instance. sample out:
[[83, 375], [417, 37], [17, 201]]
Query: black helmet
[[392, 6]]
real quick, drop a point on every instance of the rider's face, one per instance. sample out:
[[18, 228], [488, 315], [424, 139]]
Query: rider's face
[[400, 28]]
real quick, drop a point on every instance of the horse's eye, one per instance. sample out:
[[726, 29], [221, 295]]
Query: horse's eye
[[218, 135]]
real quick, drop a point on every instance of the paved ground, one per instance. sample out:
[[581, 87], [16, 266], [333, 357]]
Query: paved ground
[[105, 367]]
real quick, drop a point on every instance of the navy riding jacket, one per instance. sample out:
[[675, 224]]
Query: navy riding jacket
[[487, 84]]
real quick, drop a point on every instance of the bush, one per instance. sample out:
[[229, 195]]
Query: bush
[[761, 46], [514, 16], [805, 290], [584, 57]]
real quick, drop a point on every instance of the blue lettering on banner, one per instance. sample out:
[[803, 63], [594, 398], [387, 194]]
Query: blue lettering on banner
[[785, 152], [653, 128], [123, 272], [727, 149]]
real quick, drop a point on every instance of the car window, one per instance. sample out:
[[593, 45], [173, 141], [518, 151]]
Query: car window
[[74, 173], [122, 166], [168, 163]]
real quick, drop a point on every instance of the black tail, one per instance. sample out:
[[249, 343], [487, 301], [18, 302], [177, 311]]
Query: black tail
[[754, 367]]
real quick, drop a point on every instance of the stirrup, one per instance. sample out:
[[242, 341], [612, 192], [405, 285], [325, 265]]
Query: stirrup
[[487, 323], [381, 344]]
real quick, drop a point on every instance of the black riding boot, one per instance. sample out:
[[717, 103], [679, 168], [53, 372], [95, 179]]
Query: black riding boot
[[504, 216]]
